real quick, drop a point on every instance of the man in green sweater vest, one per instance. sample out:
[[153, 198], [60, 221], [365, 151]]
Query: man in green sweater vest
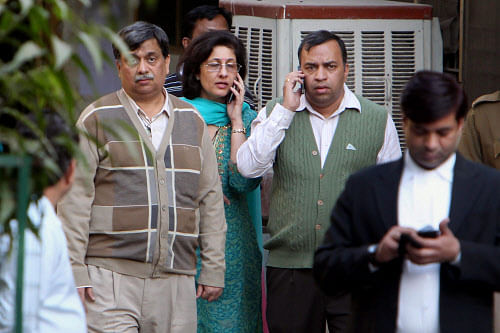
[[313, 139]]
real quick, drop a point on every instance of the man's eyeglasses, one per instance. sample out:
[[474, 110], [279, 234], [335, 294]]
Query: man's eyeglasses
[[231, 67]]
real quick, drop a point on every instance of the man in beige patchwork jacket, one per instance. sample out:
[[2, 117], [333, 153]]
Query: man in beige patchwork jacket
[[148, 197]]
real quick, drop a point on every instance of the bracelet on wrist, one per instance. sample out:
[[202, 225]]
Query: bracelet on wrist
[[239, 130]]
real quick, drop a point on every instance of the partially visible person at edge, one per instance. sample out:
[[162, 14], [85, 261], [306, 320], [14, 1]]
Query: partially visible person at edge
[[417, 241], [149, 198], [214, 70], [50, 301], [196, 22], [480, 142], [313, 141]]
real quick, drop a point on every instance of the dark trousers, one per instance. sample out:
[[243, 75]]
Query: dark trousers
[[295, 304]]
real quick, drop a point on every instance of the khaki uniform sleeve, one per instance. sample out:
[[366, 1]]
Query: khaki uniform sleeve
[[212, 237], [74, 209], [470, 145]]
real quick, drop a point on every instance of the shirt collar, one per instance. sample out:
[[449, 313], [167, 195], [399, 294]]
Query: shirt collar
[[349, 101], [445, 170], [165, 109]]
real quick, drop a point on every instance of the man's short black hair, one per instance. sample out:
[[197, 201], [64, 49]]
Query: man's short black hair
[[61, 138], [319, 37], [204, 12], [430, 96], [135, 34]]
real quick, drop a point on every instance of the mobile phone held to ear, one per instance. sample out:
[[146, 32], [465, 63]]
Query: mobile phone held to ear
[[230, 96], [300, 86]]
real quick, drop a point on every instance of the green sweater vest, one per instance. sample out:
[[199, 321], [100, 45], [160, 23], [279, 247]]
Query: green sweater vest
[[303, 193]]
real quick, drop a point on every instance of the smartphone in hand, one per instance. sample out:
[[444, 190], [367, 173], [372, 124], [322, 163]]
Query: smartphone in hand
[[407, 239], [300, 86], [230, 95], [428, 232]]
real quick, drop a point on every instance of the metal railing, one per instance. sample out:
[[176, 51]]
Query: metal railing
[[23, 164]]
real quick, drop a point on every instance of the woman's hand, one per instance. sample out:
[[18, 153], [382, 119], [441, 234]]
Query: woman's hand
[[234, 110], [235, 106]]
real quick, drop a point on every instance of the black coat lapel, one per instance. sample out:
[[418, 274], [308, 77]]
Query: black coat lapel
[[464, 191], [386, 190]]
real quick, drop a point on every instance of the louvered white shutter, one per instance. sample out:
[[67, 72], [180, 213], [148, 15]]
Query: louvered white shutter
[[258, 36]]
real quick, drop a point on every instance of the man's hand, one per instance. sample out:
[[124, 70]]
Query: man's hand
[[387, 249], [209, 293], [444, 248], [291, 99], [85, 294]]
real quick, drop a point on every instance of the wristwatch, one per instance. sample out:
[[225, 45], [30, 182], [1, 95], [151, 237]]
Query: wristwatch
[[372, 250]]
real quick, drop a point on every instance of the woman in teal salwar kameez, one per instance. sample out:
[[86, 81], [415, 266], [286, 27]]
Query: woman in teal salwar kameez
[[214, 67]]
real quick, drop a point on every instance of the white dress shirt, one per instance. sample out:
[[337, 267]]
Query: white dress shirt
[[156, 125], [50, 300], [423, 200], [256, 156]]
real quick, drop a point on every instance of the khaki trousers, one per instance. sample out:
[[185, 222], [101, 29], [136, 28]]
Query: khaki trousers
[[124, 303]]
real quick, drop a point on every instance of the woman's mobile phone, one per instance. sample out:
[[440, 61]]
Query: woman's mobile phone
[[230, 96]]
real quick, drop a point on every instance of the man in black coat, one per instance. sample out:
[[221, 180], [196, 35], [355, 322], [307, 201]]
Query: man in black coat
[[417, 241]]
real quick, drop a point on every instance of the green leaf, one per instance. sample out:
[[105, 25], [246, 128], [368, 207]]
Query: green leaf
[[62, 51], [39, 22], [116, 40], [7, 203], [26, 6], [62, 9], [28, 51], [7, 22], [93, 47], [86, 3]]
